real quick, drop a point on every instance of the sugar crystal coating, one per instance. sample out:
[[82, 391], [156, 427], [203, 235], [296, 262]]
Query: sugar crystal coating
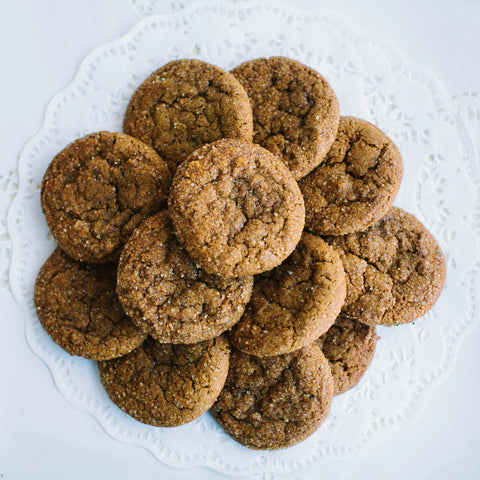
[[275, 402], [168, 296], [236, 209], [167, 385], [186, 104]]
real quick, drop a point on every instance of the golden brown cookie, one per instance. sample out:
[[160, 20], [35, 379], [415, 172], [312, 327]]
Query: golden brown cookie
[[167, 295], [349, 347], [236, 208], [295, 111], [98, 190], [167, 385], [395, 270], [293, 304], [186, 104], [356, 183], [77, 306], [275, 402]]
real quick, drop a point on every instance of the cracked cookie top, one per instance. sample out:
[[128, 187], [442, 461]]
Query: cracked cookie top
[[275, 402], [167, 385], [186, 104], [78, 307], [395, 270], [349, 347], [356, 183], [236, 208], [292, 305], [167, 295], [295, 111], [98, 189]]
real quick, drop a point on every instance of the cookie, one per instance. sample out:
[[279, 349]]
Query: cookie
[[167, 295], [349, 347], [395, 270], [293, 304], [295, 111], [167, 385], [236, 208], [98, 190], [356, 184], [186, 104], [77, 306], [275, 402]]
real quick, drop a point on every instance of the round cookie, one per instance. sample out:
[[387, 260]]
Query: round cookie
[[395, 270], [349, 347], [356, 183], [293, 304], [275, 402], [77, 306], [186, 104], [236, 208], [98, 189], [167, 385], [167, 295], [295, 111]]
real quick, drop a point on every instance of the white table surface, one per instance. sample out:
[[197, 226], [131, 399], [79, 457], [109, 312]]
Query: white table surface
[[42, 436]]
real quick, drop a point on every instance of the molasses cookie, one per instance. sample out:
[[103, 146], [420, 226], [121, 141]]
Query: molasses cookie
[[186, 104], [395, 270], [167, 385], [236, 208], [275, 402], [98, 190], [293, 304], [167, 295], [295, 111], [77, 306], [356, 183], [349, 347]]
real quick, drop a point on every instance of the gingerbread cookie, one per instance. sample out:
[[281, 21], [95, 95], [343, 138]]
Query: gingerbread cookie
[[356, 183], [167, 295], [395, 270], [98, 190], [236, 208], [186, 104], [167, 385], [349, 347], [275, 402], [295, 111], [293, 304], [77, 306]]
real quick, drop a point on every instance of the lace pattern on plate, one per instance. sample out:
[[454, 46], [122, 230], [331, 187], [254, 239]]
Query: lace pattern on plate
[[441, 187]]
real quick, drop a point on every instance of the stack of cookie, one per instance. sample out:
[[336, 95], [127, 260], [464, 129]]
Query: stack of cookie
[[234, 248]]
